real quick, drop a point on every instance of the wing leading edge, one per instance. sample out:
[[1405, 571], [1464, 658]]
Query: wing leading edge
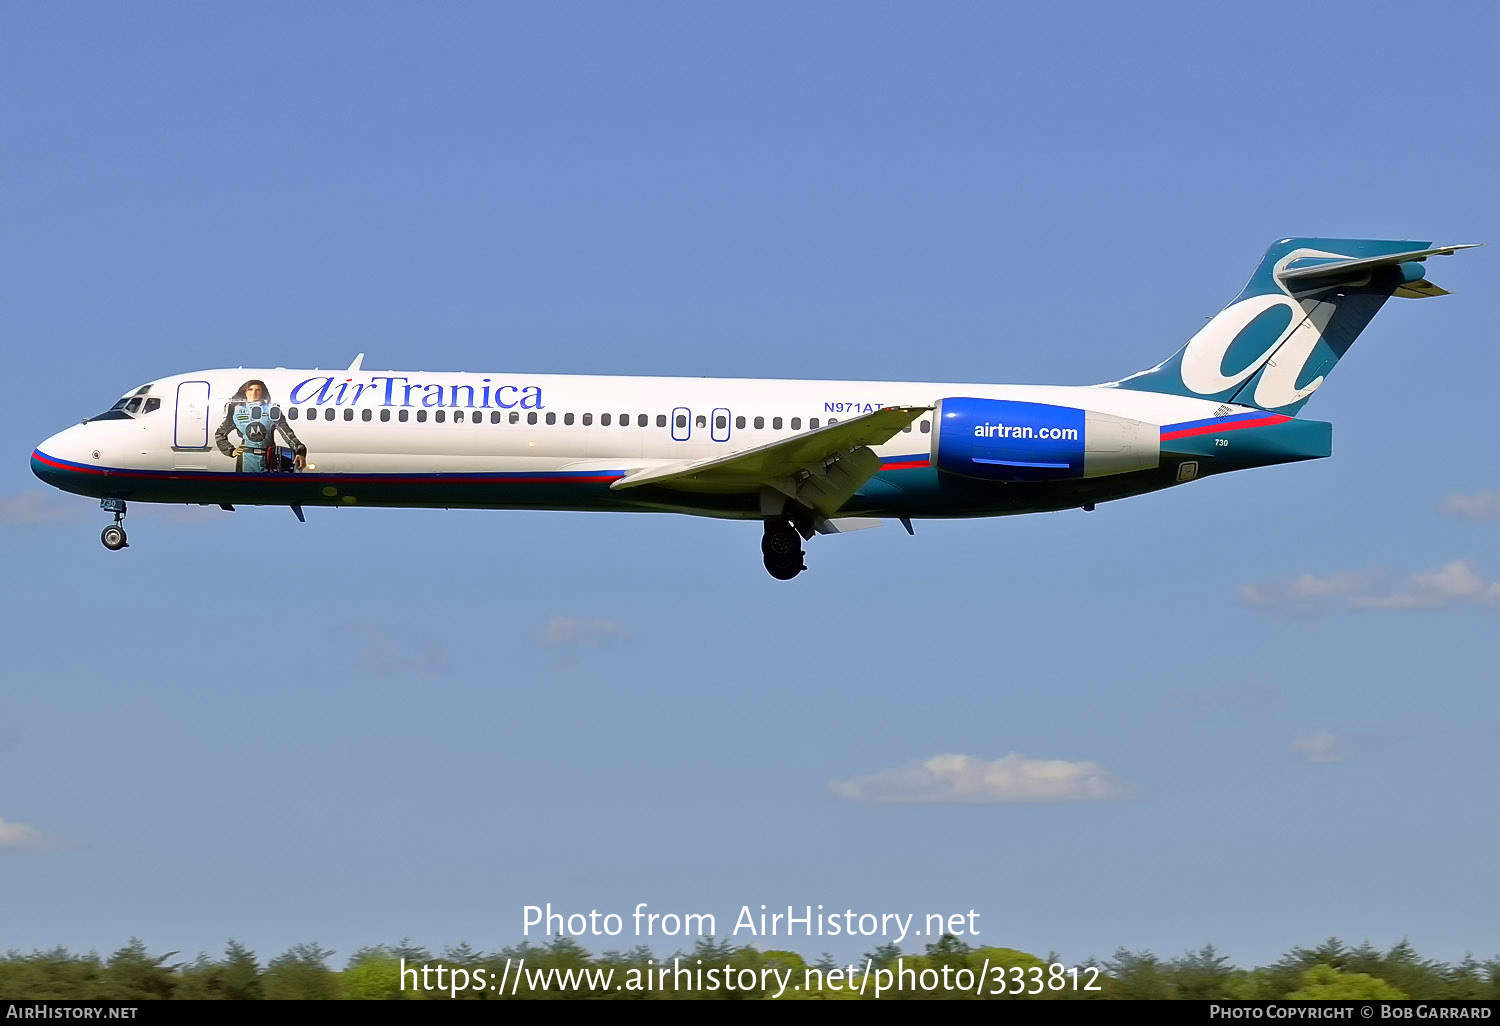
[[821, 469]]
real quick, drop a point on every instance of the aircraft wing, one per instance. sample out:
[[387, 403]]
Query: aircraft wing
[[821, 468]]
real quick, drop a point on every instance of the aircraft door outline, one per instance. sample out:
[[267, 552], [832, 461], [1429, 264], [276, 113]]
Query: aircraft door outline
[[190, 417], [682, 424], [717, 433]]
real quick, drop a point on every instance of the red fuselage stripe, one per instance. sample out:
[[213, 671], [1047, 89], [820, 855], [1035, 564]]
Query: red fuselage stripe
[[1238, 425]]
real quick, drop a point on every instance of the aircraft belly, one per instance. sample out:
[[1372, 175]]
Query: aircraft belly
[[917, 492]]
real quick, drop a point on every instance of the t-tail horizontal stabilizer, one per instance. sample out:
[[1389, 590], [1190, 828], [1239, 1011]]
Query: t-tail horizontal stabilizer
[[1307, 273]]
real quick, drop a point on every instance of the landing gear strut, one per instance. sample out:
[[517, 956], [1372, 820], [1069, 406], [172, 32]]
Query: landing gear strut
[[113, 536], [781, 546]]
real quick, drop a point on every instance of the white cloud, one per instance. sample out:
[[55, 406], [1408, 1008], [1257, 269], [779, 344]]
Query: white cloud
[[385, 649], [963, 778], [19, 835], [182, 513], [564, 631], [1238, 696], [1479, 506], [1321, 746], [1308, 591], [36, 507], [1455, 583]]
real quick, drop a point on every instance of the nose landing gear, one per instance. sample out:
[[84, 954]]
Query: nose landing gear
[[781, 547], [113, 536]]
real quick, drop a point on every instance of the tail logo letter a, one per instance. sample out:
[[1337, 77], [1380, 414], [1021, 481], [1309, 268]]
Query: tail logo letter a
[[1260, 324]]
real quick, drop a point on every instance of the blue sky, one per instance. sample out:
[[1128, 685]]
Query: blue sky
[[423, 720]]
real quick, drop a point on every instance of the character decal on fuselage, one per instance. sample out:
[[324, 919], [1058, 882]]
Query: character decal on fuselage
[[257, 422]]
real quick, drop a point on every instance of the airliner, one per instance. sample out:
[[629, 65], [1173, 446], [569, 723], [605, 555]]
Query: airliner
[[802, 457]]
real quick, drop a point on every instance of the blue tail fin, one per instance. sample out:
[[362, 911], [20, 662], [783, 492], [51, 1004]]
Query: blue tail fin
[[1300, 312]]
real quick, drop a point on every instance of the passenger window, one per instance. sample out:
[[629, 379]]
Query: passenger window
[[624, 420], [926, 427], [642, 420], [588, 418], [813, 423], [720, 423], [385, 415], [682, 420], [458, 416], [439, 416], [328, 413], [831, 420], [291, 414], [152, 405], [775, 423], [907, 429], [551, 418], [739, 422], [515, 418], [760, 423], [701, 420], [567, 420], [421, 416], [796, 424], [403, 415], [661, 420], [349, 414], [531, 418], [604, 420], [366, 415], [134, 406], [494, 416]]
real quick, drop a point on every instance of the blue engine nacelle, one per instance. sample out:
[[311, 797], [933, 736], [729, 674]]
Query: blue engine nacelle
[[1006, 440]]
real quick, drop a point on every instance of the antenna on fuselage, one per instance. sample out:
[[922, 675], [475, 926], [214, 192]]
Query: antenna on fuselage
[[358, 362]]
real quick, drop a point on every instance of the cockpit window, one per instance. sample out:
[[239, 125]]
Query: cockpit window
[[115, 412], [133, 402]]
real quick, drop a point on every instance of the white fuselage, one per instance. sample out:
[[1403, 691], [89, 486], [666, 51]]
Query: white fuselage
[[363, 422]]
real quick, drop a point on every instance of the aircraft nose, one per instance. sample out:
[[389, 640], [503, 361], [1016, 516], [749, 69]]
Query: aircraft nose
[[64, 459]]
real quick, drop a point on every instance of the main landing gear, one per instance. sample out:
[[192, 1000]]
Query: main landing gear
[[782, 548], [113, 536]]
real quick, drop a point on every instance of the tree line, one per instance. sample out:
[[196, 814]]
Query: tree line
[[1331, 970]]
